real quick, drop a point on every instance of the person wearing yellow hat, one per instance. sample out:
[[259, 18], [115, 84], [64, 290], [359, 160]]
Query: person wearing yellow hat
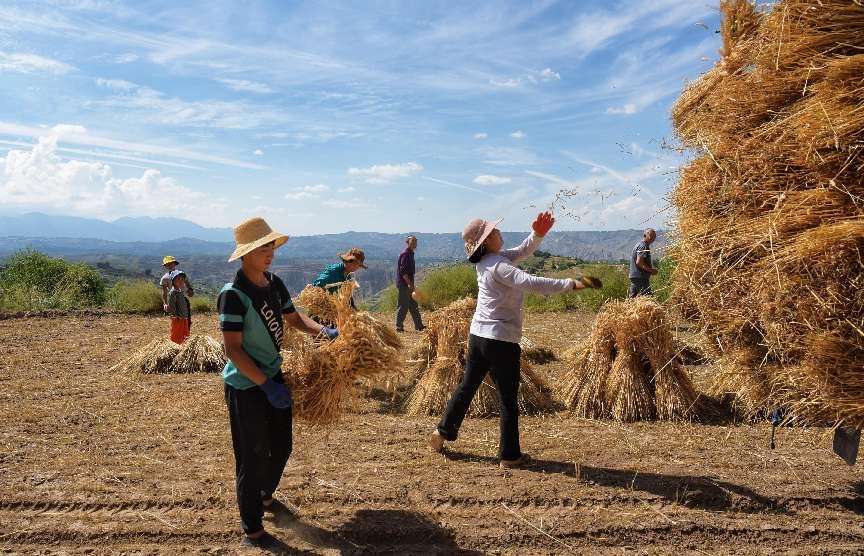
[[170, 264], [496, 328], [253, 310]]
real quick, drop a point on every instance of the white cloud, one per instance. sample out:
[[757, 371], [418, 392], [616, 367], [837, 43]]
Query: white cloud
[[79, 136], [127, 58], [116, 84], [481, 135], [383, 173], [31, 63], [627, 109], [509, 156], [348, 189], [352, 204], [307, 192], [299, 195], [246, 86], [507, 83], [40, 179], [549, 75], [486, 179], [534, 77], [258, 152], [518, 134]]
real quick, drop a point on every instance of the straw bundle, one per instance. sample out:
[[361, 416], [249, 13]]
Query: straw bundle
[[536, 354], [771, 209], [199, 354], [155, 357], [628, 370], [323, 374], [440, 362], [320, 305]]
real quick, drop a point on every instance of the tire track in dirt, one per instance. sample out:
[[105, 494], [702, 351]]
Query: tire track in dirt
[[101, 539], [69, 506]]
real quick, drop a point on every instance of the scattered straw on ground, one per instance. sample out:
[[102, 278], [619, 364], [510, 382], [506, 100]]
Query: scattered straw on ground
[[628, 369]]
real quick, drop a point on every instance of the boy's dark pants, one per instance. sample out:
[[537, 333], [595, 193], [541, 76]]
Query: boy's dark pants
[[502, 359], [261, 435], [405, 304]]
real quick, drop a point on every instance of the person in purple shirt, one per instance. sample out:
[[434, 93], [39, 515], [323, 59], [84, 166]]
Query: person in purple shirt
[[405, 270]]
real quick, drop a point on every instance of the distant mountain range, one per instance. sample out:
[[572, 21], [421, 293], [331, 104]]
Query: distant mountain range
[[153, 237]]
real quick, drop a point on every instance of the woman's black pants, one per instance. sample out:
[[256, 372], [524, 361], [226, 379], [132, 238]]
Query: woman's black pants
[[501, 359]]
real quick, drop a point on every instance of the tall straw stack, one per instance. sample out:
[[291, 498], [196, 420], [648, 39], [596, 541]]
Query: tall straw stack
[[323, 374], [628, 369], [440, 362], [771, 208]]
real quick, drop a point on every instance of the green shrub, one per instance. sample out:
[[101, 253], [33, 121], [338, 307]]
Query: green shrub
[[385, 300], [445, 285], [661, 284], [32, 281], [615, 283], [137, 296], [202, 303], [440, 287]]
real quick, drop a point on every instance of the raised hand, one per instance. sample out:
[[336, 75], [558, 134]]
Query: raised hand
[[543, 223]]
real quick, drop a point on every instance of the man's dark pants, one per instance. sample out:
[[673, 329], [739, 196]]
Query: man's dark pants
[[502, 360], [405, 304], [639, 286], [261, 435]]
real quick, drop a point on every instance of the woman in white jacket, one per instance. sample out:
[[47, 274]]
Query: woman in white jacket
[[496, 329]]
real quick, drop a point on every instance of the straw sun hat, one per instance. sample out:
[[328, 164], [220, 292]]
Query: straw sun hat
[[354, 254], [476, 232], [252, 234]]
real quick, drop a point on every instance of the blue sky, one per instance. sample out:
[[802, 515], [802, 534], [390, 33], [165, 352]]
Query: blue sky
[[334, 116]]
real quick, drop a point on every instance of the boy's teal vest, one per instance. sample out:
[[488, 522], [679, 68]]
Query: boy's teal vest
[[256, 342]]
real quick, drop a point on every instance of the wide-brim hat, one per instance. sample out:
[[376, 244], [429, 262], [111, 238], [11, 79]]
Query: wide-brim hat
[[252, 234], [476, 232], [175, 273], [168, 260], [354, 255]]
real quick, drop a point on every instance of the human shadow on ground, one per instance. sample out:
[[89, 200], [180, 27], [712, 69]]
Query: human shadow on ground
[[695, 491], [380, 531]]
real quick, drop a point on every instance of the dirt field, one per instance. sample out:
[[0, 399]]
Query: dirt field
[[92, 461]]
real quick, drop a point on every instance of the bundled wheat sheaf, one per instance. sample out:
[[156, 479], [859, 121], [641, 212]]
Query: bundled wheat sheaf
[[323, 374], [771, 208], [439, 364], [198, 354], [628, 369], [320, 305]]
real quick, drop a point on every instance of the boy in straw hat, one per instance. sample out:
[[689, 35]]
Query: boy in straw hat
[[251, 313], [170, 264], [493, 345]]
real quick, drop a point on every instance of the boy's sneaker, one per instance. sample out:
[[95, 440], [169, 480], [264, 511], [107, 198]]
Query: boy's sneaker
[[421, 328], [264, 542], [436, 442], [521, 461]]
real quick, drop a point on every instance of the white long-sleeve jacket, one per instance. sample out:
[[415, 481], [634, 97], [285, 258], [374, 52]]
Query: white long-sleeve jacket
[[501, 288]]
